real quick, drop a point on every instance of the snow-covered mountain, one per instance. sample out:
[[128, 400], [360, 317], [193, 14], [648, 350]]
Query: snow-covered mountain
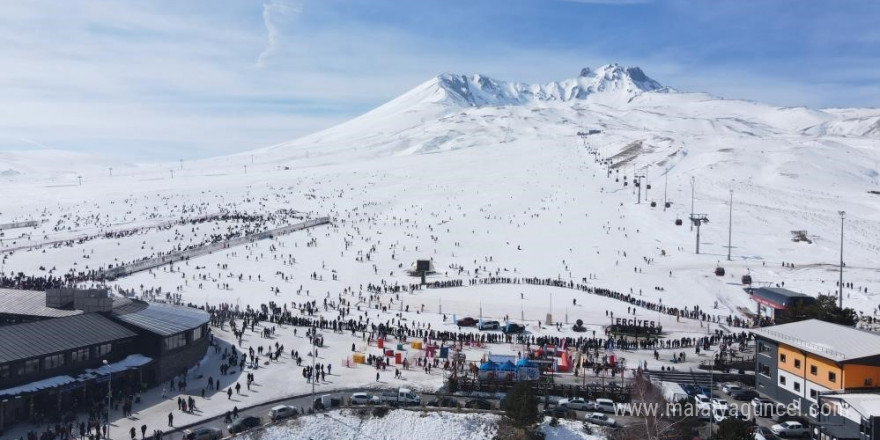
[[479, 90]]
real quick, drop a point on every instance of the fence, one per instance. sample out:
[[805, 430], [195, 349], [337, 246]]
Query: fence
[[620, 394], [173, 257]]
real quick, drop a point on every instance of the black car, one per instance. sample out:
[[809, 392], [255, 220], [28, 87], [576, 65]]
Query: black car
[[560, 412], [513, 328], [443, 402], [241, 424], [478, 404], [743, 395]]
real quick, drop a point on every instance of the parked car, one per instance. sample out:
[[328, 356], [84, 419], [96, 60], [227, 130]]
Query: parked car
[[478, 404], [743, 395], [790, 429], [281, 412], [600, 419], [762, 433], [467, 322], [241, 424], [443, 402], [513, 327], [721, 404], [364, 399], [560, 412], [762, 406], [702, 401], [578, 403], [730, 387], [605, 405], [202, 434], [489, 325]]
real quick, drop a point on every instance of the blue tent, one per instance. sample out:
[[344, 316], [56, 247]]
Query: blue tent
[[488, 366], [524, 363], [507, 366]]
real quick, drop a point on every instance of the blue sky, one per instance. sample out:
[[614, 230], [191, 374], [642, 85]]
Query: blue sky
[[163, 80]]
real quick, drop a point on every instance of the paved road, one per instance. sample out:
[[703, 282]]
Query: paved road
[[303, 403]]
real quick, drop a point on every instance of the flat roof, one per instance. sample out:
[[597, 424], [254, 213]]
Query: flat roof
[[866, 404], [165, 319], [779, 297], [831, 341], [30, 303], [34, 339]]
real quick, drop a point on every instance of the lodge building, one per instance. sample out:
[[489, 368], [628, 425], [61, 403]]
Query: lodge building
[[60, 348]]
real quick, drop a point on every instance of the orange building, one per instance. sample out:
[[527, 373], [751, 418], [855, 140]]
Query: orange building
[[797, 362]]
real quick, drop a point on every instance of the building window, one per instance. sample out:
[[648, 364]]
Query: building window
[[175, 341], [781, 380], [763, 369], [868, 381], [4, 372], [797, 363], [832, 376], [813, 393], [197, 333], [797, 386], [80, 355], [28, 367], [763, 348], [813, 370], [54, 361], [103, 349], [782, 358]]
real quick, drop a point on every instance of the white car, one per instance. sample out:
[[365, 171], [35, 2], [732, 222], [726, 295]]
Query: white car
[[719, 404], [605, 405], [702, 401], [281, 412], [790, 429], [730, 387], [363, 399], [600, 419], [577, 403]]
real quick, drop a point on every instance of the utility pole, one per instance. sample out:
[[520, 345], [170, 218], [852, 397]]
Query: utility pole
[[80, 178], [730, 226], [314, 355], [693, 183], [172, 173], [111, 171], [840, 290], [181, 163]]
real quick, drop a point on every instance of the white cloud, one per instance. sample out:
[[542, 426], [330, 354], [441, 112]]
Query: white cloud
[[275, 13]]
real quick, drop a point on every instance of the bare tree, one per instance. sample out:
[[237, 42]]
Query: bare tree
[[658, 423]]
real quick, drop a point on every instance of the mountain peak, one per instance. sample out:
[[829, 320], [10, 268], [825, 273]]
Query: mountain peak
[[481, 90]]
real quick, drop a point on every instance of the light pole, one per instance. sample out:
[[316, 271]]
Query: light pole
[[730, 226], [109, 395], [840, 287], [314, 374]]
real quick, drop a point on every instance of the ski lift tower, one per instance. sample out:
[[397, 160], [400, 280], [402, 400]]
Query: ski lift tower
[[638, 184], [698, 220]]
